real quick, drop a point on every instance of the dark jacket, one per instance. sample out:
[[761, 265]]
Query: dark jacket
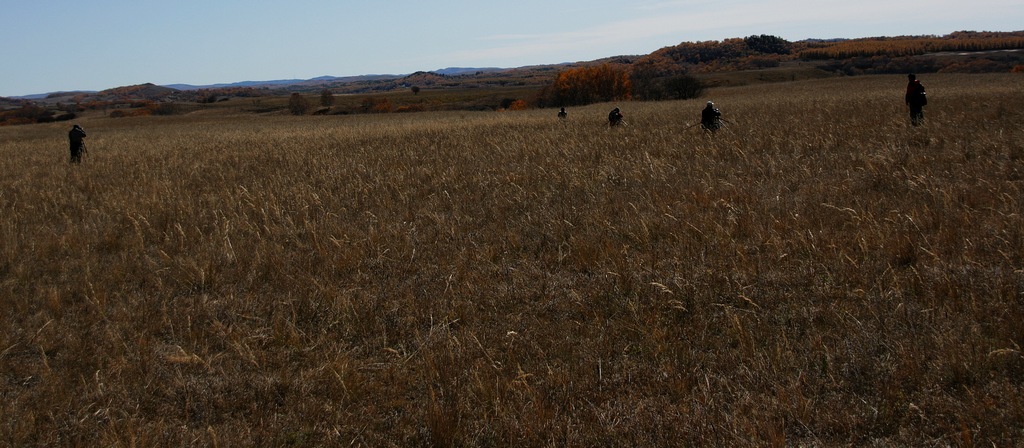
[[710, 118], [710, 115], [915, 94], [76, 137], [614, 117]]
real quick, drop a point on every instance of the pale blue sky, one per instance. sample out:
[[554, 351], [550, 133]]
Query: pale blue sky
[[51, 45]]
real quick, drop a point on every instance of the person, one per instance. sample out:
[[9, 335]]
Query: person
[[562, 114], [77, 139], [710, 118], [614, 117], [915, 99]]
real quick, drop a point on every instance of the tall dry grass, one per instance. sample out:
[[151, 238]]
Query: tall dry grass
[[819, 273]]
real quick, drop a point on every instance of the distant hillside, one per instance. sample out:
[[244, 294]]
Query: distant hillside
[[279, 83], [335, 80], [752, 59], [426, 79], [961, 41], [455, 71], [964, 51], [275, 83], [147, 91]]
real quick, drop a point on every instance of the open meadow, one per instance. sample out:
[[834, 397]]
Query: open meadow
[[817, 273]]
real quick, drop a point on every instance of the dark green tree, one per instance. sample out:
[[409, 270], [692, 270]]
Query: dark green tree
[[683, 87], [298, 105], [768, 44], [326, 98]]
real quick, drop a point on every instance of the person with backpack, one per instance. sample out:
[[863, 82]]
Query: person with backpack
[[915, 99], [614, 117], [77, 139], [710, 118]]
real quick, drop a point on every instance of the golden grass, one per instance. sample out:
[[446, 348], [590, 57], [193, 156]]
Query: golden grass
[[818, 273]]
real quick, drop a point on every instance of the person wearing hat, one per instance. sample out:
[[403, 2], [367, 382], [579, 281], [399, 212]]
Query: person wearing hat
[[710, 118], [915, 99], [77, 139], [614, 117]]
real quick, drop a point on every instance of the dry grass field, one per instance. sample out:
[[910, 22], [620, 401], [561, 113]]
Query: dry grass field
[[818, 273]]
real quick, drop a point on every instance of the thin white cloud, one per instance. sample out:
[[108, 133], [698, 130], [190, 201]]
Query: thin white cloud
[[663, 5]]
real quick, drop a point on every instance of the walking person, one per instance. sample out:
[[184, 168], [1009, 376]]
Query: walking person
[[614, 117], [76, 137], [710, 118], [915, 99], [562, 114]]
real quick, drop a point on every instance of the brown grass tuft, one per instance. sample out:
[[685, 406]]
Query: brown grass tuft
[[817, 273]]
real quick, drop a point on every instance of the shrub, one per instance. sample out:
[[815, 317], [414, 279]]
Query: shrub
[[298, 105], [518, 105], [683, 87], [326, 98], [122, 113], [165, 109], [411, 108], [506, 103], [376, 105]]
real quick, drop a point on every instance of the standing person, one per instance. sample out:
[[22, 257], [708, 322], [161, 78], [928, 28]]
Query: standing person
[[77, 139], [562, 114], [614, 117], [710, 118], [915, 99]]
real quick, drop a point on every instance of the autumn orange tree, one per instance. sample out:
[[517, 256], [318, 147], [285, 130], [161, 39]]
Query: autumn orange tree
[[518, 105], [585, 85]]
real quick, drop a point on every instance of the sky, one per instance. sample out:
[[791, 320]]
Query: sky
[[64, 45]]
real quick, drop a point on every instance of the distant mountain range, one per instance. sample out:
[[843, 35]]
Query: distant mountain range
[[282, 82], [450, 71], [42, 96], [961, 51]]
